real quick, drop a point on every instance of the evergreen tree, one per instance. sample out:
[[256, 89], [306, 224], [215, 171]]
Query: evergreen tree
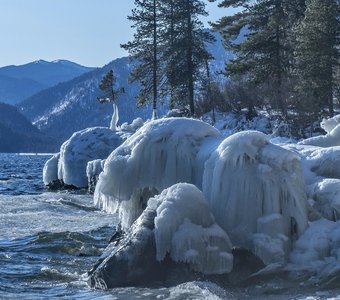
[[265, 56], [316, 58], [145, 50], [110, 95], [185, 52]]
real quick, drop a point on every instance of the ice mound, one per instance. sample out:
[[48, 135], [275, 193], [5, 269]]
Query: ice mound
[[69, 166], [247, 178], [163, 152], [82, 147], [175, 233], [314, 245], [185, 229], [329, 124], [321, 168], [326, 194], [332, 138], [50, 171], [134, 126], [93, 169]]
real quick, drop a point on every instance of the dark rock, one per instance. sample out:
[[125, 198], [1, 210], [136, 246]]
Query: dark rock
[[133, 261]]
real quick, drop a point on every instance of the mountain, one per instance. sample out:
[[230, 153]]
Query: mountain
[[72, 105], [20, 82], [17, 134]]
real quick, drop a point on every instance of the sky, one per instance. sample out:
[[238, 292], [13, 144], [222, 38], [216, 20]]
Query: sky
[[87, 32]]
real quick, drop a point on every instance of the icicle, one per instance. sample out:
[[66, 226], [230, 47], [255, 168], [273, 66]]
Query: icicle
[[115, 118], [154, 114]]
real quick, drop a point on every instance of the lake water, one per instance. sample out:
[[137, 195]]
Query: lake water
[[49, 240]]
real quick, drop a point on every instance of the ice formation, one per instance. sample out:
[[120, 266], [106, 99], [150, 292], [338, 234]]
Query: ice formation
[[70, 165], [50, 171], [332, 138], [186, 229], [115, 117], [321, 168], [82, 147], [93, 169], [134, 126], [163, 152], [246, 179], [175, 232], [329, 124]]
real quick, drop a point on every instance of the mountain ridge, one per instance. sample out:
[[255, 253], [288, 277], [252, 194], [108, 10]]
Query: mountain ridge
[[20, 82]]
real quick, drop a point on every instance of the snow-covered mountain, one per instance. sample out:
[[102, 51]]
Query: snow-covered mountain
[[72, 105], [19, 82], [17, 134]]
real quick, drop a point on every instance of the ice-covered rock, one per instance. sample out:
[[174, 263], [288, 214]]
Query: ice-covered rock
[[134, 126], [186, 229], [82, 147], [326, 196], [247, 178], [329, 124], [332, 138], [163, 152], [50, 171], [176, 224], [93, 169]]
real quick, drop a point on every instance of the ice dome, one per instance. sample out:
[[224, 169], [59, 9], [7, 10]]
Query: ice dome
[[83, 146], [163, 152], [256, 192], [50, 171]]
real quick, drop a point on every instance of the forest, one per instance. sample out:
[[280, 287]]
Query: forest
[[285, 58]]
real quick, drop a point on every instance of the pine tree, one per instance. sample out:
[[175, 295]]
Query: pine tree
[[316, 58], [185, 52], [145, 50], [265, 56], [110, 95]]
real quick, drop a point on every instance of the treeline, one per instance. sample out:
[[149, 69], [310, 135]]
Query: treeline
[[287, 63]]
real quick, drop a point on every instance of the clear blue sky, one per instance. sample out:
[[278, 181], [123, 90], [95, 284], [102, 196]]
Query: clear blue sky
[[88, 32]]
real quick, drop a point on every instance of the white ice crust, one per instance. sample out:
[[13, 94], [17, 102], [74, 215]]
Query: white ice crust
[[247, 178], [247, 181], [50, 171], [332, 138], [329, 124], [185, 229], [82, 147], [163, 152], [268, 198]]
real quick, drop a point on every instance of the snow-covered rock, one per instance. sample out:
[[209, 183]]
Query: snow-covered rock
[[69, 166], [321, 169], [329, 124], [176, 224], [247, 178], [163, 152], [93, 169], [134, 126], [82, 147], [332, 138], [186, 229], [50, 171]]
